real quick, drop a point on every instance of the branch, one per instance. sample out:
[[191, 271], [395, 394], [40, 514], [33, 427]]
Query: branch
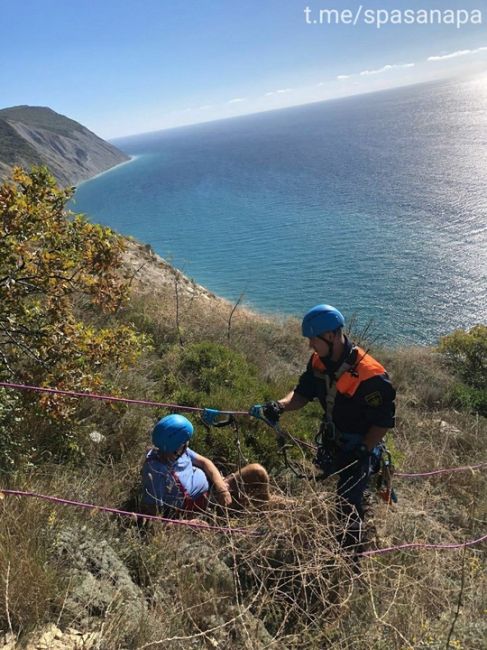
[[25, 348], [128, 285], [7, 600], [231, 314], [6, 363], [176, 291], [459, 601]]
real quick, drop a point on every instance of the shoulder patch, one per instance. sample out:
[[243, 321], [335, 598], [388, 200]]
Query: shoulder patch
[[373, 399]]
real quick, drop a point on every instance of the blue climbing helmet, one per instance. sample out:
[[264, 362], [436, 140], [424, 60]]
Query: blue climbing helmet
[[321, 318], [171, 432]]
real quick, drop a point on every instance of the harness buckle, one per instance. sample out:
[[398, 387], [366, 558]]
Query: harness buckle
[[328, 436]]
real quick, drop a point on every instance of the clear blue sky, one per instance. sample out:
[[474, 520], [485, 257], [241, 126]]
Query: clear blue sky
[[128, 66]]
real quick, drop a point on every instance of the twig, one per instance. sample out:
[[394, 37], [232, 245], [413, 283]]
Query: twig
[[232, 313], [201, 634], [459, 601], [130, 279], [6, 600], [176, 292], [6, 363]]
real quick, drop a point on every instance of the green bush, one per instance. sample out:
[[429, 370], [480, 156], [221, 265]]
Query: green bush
[[466, 353], [469, 398]]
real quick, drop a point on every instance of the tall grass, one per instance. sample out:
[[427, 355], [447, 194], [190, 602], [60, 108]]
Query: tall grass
[[289, 586]]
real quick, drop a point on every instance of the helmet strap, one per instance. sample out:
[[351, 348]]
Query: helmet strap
[[330, 346], [182, 451]]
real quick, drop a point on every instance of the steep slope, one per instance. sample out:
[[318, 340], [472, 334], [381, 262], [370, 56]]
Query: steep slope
[[33, 135]]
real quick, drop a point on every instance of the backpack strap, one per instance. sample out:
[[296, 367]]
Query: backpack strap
[[190, 504]]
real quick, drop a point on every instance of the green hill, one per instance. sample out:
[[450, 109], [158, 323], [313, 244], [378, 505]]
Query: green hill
[[33, 135]]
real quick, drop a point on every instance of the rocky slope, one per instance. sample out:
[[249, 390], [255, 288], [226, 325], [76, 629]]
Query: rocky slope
[[33, 135]]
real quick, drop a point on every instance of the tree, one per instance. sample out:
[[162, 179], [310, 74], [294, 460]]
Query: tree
[[59, 274]]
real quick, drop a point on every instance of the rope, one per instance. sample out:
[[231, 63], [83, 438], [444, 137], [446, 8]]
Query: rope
[[423, 545], [195, 409], [447, 470], [204, 526], [125, 513], [226, 529], [110, 398]]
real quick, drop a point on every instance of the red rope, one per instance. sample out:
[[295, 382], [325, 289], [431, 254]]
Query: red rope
[[124, 513], [179, 407], [424, 545], [223, 529], [110, 398]]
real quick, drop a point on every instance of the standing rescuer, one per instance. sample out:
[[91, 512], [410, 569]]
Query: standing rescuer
[[358, 402]]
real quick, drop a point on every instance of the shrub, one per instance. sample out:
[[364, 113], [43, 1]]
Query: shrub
[[50, 261], [466, 353]]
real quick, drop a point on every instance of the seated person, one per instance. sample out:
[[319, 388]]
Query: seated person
[[176, 478]]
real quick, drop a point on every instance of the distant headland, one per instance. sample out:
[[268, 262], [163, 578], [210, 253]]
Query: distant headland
[[37, 135]]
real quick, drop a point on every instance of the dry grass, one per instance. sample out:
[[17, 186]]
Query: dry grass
[[287, 587], [290, 586]]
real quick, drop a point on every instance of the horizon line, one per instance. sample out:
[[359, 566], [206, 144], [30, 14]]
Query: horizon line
[[283, 108]]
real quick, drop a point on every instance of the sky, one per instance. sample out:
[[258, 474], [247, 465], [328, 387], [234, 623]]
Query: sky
[[122, 67]]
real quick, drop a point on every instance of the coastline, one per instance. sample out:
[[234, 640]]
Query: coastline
[[111, 169], [152, 274]]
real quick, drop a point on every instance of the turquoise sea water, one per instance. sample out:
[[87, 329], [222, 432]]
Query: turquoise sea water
[[376, 204]]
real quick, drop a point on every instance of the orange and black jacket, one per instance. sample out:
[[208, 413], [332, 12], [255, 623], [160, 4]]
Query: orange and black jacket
[[365, 395]]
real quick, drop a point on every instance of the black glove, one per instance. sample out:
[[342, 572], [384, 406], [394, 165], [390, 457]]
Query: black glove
[[272, 411]]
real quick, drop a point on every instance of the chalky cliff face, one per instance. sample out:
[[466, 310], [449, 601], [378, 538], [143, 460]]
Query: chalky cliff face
[[31, 135]]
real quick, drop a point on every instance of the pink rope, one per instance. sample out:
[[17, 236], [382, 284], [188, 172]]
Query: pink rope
[[125, 513], [223, 529], [110, 398], [179, 407], [435, 472], [421, 545]]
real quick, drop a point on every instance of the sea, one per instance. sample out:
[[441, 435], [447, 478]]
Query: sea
[[376, 204]]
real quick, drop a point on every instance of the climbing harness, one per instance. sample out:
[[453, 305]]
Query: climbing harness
[[329, 442], [190, 504], [329, 439]]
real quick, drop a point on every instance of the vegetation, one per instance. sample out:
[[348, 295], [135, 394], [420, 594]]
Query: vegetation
[[41, 117], [89, 326], [467, 355], [51, 262]]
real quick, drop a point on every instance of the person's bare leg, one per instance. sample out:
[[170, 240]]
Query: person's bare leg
[[249, 485]]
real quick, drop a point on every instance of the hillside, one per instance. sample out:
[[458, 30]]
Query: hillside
[[75, 578], [34, 135]]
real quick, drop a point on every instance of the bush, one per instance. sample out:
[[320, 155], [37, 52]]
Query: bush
[[50, 261], [469, 398], [466, 354]]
